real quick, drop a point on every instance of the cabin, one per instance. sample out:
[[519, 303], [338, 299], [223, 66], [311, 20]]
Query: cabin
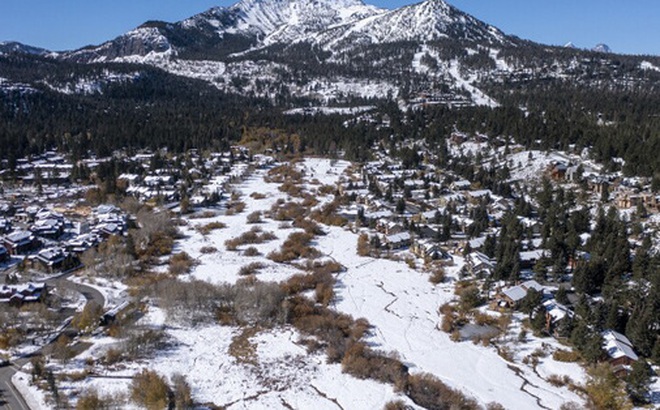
[[555, 313], [52, 260], [620, 351], [111, 315], [511, 297], [479, 264], [21, 294], [21, 242], [428, 250], [398, 241]]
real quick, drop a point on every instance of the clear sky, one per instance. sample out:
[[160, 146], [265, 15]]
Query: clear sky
[[631, 27]]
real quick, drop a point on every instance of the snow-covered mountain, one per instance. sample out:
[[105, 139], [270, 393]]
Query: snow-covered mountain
[[423, 22], [331, 24], [602, 48], [331, 51], [246, 25], [16, 47]]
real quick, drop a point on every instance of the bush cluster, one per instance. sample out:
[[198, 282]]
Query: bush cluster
[[254, 236], [251, 269], [210, 227], [296, 246], [181, 264]]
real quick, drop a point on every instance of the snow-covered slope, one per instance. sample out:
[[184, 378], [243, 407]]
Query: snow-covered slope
[[256, 23], [427, 21], [285, 21], [15, 47], [253, 24]]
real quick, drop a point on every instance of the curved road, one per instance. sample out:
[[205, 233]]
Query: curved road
[[9, 397]]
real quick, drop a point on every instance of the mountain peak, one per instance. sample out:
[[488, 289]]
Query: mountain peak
[[602, 48], [16, 47]]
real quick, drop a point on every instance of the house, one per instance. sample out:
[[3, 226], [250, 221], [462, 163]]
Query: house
[[18, 295], [82, 243], [461, 185], [21, 242], [398, 241], [529, 258], [111, 315], [106, 230], [558, 171], [620, 351], [428, 250], [555, 313], [512, 296], [479, 264], [49, 228], [52, 260]]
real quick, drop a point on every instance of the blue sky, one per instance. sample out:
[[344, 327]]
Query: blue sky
[[626, 26]]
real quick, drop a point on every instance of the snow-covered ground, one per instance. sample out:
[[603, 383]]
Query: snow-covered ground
[[400, 303], [403, 305], [330, 110]]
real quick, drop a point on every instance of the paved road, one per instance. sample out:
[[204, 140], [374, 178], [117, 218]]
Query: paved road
[[9, 397]]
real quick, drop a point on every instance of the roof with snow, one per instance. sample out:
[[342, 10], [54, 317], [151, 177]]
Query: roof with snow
[[515, 293], [617, 345]]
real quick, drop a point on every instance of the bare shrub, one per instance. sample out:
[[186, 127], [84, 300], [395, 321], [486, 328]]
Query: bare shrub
[[251, 251], [90, 399], [182, 392], [251, 237], [429, 392], [363, 246], [568, 356], [242, 349], [87, 320], [251, 269], [484, 319], [411, 263], [309, 226], [296, 246], [363, 363], [325, 190], [283, 173], [210, 227], [207, 250], [254, 217], [155, 236], [309, 201], [287, 211], [112, 356], [191, 302], [437, 275], [144, 343], [325, 293], [448, 323], [258, 303], [181, 264], [559, 381], [328, 215], [396, 405], [150, 390], [291, 188], [235, 207], [257, 196]]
